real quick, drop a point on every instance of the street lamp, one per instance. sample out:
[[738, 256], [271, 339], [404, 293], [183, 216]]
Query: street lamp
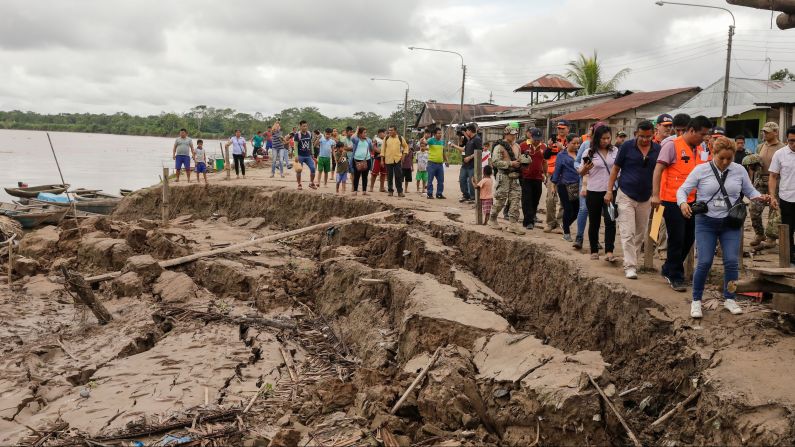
[[405, 100], [728, 52], [463, 77]]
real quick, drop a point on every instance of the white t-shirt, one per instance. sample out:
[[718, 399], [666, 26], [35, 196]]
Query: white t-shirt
[[783, 164], [238, 145], [199, 154]]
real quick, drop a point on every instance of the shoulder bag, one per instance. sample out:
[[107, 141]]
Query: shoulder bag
[[738, 211]]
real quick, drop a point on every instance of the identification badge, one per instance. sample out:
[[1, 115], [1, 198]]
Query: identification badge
[[719, 203]]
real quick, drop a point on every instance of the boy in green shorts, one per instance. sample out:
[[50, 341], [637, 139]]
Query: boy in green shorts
[[422, 166], [324, 157]]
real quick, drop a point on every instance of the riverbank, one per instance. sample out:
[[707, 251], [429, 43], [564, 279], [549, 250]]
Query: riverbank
[[521, 322]]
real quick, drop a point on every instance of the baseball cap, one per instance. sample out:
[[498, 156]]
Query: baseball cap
[[665, 119], [717, 130], [598, 124], [770, 127], [563, 123], [535, 132], [621, 133], [510, 130]]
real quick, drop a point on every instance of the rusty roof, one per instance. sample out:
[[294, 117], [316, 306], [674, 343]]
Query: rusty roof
[[549, 83], [614, 107], [438, 112]]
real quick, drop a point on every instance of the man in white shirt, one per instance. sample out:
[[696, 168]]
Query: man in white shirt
[[782, 175]]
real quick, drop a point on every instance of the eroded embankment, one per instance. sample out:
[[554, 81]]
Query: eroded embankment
[[520, 333]]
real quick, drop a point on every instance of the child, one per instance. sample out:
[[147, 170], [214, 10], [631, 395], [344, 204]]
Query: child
[[406, 165], [486, 187], [422, 166], [200, 159], [341, 159]]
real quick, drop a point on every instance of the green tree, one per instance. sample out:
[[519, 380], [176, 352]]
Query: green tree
[[587, 72], [783, 75]]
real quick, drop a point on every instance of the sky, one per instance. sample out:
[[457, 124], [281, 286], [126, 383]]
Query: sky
[[151, 56]]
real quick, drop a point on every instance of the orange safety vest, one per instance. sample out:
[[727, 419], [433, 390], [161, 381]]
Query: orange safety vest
[[551, 161], [675, 174]]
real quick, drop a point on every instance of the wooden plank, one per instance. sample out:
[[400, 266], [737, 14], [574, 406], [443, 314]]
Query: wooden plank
[[782, 280], [784, 255], [773, 271], [85, 295], [689, 264]]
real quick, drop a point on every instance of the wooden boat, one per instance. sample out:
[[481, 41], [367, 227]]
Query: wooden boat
[[70, 212], [30, 192], [96, 202], [81, 194], [31, 216], [125, 192]]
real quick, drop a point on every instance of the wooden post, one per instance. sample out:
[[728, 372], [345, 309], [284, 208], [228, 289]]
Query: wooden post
[[11, 258], [226, 163], [742, 251], [478, 176], [648, 254], [165, 210], [783, 246], [85, 295], [689, 263]]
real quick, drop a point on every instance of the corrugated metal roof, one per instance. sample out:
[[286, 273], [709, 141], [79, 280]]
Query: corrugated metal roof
[[436, 112], [549, 83], [614, 107], [744, 95]]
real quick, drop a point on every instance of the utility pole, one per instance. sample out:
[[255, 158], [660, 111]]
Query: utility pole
[[463, 83], [405, 113], [725, 108]]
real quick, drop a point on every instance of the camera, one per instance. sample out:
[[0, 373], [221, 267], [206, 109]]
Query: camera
[[699, 208], [586, 160]]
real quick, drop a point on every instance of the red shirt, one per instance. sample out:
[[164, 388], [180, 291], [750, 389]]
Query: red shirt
[[534, 171]]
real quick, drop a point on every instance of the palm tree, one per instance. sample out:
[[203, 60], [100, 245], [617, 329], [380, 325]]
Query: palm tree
[[587, 72]]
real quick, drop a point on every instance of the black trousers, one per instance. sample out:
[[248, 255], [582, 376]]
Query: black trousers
[[681, 235], [240, 164], [394, 176], [787, 210], [570, 207], [531, 195], [597, 210], [357, 174]]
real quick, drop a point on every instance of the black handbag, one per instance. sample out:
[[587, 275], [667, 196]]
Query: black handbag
[[738, 211]]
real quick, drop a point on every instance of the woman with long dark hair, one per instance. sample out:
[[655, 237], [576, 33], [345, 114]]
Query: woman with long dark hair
[[567, 181], [597, 164], [362, 146]]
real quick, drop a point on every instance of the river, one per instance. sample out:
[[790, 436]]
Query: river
[[95, 161]]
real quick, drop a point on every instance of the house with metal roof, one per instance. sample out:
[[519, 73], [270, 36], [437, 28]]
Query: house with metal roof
[[439, 114], [751, 103], [549, 83], [626, 112]]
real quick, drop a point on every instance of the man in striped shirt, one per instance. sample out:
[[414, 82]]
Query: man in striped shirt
[[279, 152]]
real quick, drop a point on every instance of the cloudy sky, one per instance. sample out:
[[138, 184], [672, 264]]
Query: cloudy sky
[[148, 56]]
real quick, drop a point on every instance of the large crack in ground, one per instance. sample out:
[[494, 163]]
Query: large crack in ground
[[519, 329]]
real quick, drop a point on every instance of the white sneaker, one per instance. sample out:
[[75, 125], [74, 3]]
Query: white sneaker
[[732, 307], [695, 309], [630, 273]]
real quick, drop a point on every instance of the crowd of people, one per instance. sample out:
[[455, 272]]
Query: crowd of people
[[683, 167]]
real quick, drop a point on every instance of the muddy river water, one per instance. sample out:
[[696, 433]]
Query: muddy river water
[[96, 161]]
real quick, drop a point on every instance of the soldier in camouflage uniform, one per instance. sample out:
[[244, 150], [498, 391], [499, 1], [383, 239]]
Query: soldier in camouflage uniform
[[508, 188], [765, 151]]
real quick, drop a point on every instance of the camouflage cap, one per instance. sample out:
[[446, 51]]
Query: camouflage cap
[[511, 130]]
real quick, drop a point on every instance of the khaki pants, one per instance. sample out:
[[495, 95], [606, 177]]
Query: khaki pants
[[633, 226], [554, 207]]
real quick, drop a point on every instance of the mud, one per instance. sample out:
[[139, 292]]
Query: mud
[[327, 331]]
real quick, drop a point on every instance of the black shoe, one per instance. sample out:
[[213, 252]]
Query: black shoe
[[463, 199], [429, 197], [679, 286], [530, 226], [577, 244], [439, 196]]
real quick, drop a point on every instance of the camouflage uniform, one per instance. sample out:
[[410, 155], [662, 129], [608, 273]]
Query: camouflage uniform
[[765, 152], [508, 188]]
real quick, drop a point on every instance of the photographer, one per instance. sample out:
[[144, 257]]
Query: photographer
[[719, 214]]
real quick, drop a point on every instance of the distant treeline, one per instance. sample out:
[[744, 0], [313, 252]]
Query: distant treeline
[[201, 121]]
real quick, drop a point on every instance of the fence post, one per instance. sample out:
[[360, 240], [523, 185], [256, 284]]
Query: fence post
[[165, 207]]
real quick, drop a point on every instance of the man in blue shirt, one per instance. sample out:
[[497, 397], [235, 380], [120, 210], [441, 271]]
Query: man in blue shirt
[[303, 141], [635, 162]]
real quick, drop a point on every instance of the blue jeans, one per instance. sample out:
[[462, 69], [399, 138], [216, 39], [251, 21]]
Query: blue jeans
[[709, 231], [465, 181], [582, 217], [309, 162], [279, 156], [435, 171]]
